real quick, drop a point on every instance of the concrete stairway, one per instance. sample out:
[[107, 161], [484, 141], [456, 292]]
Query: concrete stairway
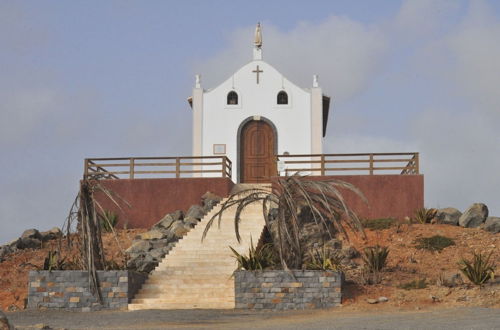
[[198, 274]]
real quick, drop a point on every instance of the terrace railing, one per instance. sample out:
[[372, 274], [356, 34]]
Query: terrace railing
[[144, 167], [346, 164]]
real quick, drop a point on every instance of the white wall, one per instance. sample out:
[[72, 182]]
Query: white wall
[[220, 122]]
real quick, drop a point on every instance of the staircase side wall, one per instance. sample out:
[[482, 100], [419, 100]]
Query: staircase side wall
[[389, 196], [278, 289], [69, 289], [151, 199]]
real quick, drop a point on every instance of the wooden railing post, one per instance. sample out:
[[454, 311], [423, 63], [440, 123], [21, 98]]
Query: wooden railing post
[[323, 165], [371, 164], [223, 159], [177, 167], [132, 169], [86, 168], [417, 163]]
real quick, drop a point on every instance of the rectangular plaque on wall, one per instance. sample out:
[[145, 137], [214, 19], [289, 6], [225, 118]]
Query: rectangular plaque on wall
[[219, 149]]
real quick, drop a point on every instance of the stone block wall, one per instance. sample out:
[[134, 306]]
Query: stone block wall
[[277, 289], [69, 289]]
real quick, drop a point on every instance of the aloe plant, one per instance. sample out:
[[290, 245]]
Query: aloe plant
[[257, 259], [324, 259], [479, 270]]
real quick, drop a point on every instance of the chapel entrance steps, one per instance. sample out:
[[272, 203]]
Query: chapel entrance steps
[[198, 274]]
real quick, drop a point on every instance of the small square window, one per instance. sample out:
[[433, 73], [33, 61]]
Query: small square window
[[219, 149]]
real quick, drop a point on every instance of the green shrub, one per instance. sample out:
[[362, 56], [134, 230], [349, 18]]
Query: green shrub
[[324, 259], [424, 215], [257, 259], [415, 284], [378, 224], [108, 220], [375, 257], [479, 270], [434, 243]]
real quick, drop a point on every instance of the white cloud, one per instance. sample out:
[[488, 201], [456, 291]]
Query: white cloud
[[345, 53], [417, 19]]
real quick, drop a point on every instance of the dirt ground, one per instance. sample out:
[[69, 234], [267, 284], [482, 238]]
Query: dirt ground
[[405, 263]]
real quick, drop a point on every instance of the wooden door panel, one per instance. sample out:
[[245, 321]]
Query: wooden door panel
[[257, 152]]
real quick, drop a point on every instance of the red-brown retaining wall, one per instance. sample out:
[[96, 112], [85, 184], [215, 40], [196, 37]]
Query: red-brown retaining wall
[[393, 196], [151, 199], [389, 196]]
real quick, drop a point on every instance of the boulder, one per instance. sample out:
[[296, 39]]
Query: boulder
[[160, 243], [209, 200], [492, 224], [139, 247], [191, 221], [153, 234], [474, 216], [146, 264], [54, 233], [28, 243], [167, 221], [448, 216], [195, 211], [4, 250], [179, 229], [31, 233], [157, 254], [4, 322]]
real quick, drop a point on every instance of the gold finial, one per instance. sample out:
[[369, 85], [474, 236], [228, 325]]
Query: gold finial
[[258, 36]]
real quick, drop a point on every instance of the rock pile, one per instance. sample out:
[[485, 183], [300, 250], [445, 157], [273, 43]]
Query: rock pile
[[476, 216], [30, 239], [150, 247]]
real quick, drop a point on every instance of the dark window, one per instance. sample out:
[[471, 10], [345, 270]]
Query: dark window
[[282, 97], [232, 98]]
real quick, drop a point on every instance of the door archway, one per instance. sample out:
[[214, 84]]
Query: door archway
[[257, 145]]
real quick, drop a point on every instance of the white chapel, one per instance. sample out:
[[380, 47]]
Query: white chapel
[[255, 115]]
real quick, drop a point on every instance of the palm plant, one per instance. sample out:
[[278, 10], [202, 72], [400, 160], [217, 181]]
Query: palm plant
[[85, 213], [289, 195]]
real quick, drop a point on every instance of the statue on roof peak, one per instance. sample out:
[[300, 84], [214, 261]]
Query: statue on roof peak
[[258, 36]]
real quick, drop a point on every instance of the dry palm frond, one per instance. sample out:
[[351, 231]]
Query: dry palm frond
[[85, 215], [289, 195]]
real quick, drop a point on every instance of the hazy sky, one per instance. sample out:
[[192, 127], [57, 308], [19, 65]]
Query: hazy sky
[[110, 78]]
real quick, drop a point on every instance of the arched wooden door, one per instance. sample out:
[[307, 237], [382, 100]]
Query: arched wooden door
[[257, 162]]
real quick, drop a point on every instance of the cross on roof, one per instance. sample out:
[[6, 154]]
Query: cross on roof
[[257, 71]]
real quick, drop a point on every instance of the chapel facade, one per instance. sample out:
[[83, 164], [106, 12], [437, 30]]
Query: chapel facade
[[256, 114]]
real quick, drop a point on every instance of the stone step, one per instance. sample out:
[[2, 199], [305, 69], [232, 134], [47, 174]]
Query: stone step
[[194, 271], [160, 301], [182, 295], [173, 305], [191, 278], [194, 286]]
